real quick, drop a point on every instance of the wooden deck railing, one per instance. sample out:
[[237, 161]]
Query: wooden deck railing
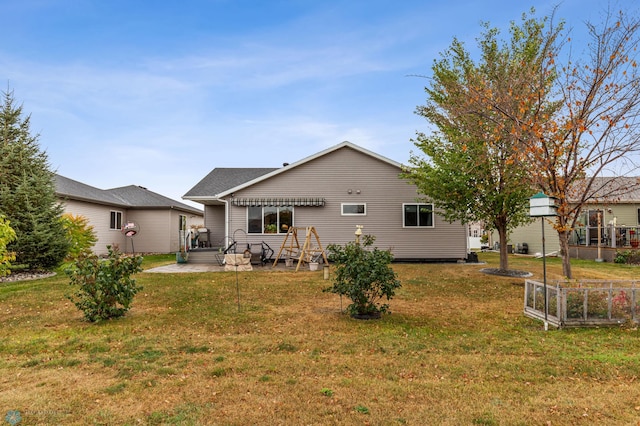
[[610, 236]]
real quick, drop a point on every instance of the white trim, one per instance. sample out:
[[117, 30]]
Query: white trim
[[342, 213], [433, 216], [246, 227], [116, 220]]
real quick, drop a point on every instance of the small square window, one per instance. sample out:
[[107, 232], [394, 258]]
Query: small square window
[[349, 209]]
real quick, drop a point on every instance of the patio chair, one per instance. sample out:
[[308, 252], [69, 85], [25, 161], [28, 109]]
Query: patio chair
[[261, 253]]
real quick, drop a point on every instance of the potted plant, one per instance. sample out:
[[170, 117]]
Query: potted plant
[[270, 229], [182, 256], [363, 275]]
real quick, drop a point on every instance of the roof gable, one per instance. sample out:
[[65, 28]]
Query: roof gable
[[343, 145], [207, 188]]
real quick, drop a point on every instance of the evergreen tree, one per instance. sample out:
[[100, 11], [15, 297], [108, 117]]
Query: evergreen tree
[[27, 193]]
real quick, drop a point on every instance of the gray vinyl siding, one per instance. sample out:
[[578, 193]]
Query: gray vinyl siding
[[625, 214], [214, 222], [158, 227], [98, 217], [331, 177], [154, 231]]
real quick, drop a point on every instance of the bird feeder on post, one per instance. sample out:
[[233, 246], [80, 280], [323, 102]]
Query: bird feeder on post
[[542, 205], [358, 233]]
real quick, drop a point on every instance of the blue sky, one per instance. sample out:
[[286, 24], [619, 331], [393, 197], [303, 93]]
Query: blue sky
[[158, 93]]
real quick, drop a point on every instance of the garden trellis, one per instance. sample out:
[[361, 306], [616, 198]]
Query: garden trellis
[[583, 303]]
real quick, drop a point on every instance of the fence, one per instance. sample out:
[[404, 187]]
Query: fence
[[584, 302]]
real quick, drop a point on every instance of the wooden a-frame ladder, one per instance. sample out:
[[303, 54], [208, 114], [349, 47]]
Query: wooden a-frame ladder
[[308, 253]]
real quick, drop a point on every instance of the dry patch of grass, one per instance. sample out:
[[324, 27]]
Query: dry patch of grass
[[455, 350]]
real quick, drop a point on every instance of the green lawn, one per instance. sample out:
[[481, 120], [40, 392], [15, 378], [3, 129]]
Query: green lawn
[[456, 350]]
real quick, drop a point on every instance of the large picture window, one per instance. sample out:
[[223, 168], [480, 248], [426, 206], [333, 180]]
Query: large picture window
[[115, 222], [269, 219], [419, 215], [350, 209]]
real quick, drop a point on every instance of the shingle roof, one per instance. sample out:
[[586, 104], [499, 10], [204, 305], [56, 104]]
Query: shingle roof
[[616, 189], [223, 178], [127, 196], [72, 189]]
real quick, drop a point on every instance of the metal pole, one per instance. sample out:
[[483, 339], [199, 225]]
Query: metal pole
[[544, 276], [237, 285]]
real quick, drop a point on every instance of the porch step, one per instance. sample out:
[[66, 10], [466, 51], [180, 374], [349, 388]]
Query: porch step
[[203, 256]]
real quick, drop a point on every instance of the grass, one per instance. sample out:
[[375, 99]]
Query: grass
[[455, 350]]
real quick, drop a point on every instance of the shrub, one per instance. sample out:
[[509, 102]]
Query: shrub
[[7, 235], [363, 275], [80, 235], [105, 287], [627, 256]]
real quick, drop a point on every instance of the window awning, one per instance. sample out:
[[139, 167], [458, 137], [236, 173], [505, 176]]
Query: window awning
[[297, 202]]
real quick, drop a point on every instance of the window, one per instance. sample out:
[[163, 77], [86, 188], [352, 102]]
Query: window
[[420, 215], [269, 219], [594, 216], [116, 220], [349, 209]]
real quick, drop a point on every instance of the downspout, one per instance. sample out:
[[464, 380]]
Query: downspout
[[226, 222]]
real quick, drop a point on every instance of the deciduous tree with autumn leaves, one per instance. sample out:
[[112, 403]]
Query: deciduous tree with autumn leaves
[[531, 115]]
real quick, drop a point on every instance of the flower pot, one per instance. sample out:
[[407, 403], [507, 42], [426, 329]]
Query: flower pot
[[634, 243], [181, 257], [313, 266]]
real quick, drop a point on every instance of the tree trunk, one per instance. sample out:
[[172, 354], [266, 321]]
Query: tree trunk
[[564, 253], [504, 258]]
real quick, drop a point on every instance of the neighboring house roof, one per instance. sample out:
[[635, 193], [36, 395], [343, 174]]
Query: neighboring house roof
[[131, 197], [222, 182], [74, 190], [621, 189]]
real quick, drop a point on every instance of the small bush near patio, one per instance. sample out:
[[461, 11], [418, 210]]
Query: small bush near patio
[[105, 288], [364, 275]]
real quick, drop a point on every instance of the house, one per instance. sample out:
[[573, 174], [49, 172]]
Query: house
[[157, 217], [615, 205], [615, 210], [334, 191]]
